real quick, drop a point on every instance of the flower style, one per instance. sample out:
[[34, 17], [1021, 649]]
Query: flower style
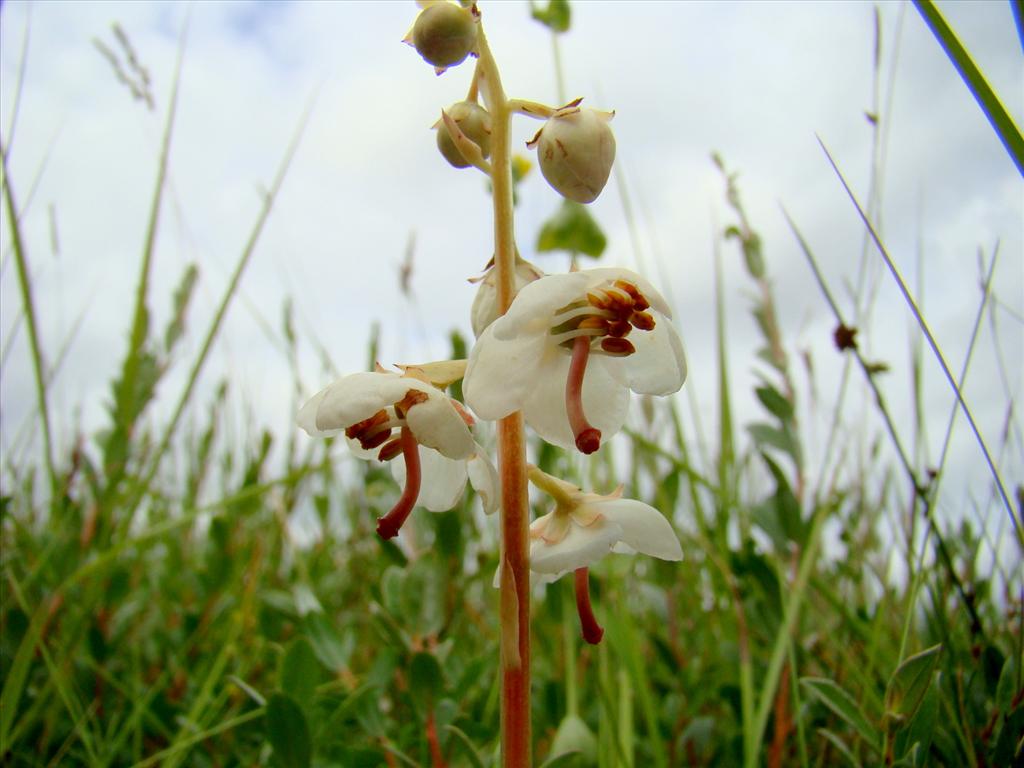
[[433, 435], [584, 527], [561, 355]]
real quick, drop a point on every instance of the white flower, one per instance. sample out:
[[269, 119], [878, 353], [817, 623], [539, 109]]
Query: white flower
[[569, 350], [584, 527], [433, 436], [485, 303]]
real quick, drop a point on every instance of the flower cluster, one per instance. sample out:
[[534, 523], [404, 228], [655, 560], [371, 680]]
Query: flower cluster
[[433, 438], [566, 353]]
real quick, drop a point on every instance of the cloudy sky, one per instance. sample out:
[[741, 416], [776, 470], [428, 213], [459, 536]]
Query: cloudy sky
[[756, 82]]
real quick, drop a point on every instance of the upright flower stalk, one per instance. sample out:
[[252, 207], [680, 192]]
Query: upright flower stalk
[[552, 352], [515, 523]]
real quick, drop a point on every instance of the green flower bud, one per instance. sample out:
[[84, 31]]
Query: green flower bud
[[444, 34], [475, 123], [576, 149]]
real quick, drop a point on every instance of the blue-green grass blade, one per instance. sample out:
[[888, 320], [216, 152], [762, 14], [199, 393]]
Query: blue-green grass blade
[[1002, 123]]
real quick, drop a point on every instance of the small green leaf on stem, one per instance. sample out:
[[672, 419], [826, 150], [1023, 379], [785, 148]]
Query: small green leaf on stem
[[556, 16], [572, 229], [829, 693]]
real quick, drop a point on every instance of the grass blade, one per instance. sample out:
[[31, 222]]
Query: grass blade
[[25, 286], [902, 285], [1004, 126]]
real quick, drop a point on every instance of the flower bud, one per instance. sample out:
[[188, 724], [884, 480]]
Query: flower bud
[[485, 304], [475, 122], [576, 149], [444, 34]]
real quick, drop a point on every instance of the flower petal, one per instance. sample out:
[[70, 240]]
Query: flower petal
[[642, 527], [484, 479], [443, 481], [534, 306], [307, 416], [579, 548], [658, 367], [605, 401], [501, 372], [436, 424], [353, 398]]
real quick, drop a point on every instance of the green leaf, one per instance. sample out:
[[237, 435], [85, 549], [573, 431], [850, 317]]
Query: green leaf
[[752, 256], [839, 701], [768, 435], [783, 503], [182, 296], [913, 742], [574, 737], [288, 732], [776, 404], [909, 683], [573, 229], [299, 672], [840, 746], [332, 649], [426, 681], [556, 16]]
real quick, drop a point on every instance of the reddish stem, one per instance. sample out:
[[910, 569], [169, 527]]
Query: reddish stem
[[389, 525], [436, 758], [592, 631], [588, 439]]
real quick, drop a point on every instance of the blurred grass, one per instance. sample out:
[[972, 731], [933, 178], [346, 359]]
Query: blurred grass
[[163, 611]]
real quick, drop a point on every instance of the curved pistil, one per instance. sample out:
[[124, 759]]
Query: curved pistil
[[389, 525], [588, 438], [592, 631]]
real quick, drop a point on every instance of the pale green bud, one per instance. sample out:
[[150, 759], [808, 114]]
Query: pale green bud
[[444, 34], [576, 149], [475, 123], [573, 735]]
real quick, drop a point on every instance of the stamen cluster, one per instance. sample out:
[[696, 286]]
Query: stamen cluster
[[607, 316]]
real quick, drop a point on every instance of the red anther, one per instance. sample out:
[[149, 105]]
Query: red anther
[[642, 320], [361, 429], [588, 439], [617, 347], [619, 328], [639, 300], [590, 321], [371, 441], [391, 449], [412, 397], [389, 525], [592, 631], [599, 300]]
